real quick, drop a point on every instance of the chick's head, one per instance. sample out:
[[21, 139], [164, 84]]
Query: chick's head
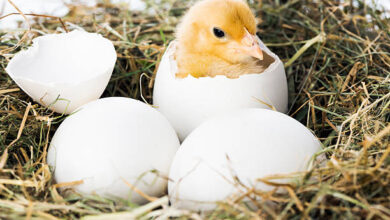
[[222, 28]]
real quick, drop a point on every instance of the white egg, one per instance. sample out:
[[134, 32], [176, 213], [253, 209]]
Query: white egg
[[64, 71], [248, 144], [111, 141], [190, 101]]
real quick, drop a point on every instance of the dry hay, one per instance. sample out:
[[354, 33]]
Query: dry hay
[[338, 67]]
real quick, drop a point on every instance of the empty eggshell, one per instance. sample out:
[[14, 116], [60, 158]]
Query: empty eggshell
[[111, 141], [64, 71], [189, 101], [247, 144]]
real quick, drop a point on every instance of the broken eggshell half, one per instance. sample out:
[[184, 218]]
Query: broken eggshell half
[[187, 102], [64, 71]]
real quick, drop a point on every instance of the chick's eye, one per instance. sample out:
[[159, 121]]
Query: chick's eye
[[218, 32]]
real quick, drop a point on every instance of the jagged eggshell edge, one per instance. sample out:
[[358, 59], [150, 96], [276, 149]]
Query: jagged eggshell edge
[[189, 101], [61, 96]]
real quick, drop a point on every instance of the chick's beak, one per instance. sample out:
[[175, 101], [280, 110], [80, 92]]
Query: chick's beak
[[250, 46]]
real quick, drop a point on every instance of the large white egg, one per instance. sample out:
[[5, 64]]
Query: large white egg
[[247, 144], [189, 101], [110, 141], [64, 71]]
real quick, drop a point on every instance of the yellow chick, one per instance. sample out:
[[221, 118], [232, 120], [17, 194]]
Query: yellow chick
[[218, 37]]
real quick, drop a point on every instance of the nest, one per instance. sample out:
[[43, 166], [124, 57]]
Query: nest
[[337, 61]]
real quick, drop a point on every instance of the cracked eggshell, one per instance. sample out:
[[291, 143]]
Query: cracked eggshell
[[64, 71], [189, 101], [110, 141], [247, 144]]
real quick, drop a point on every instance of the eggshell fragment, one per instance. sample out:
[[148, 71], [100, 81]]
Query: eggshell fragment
[[64, 71], [248, 144], [112, 141], [190, 101]]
